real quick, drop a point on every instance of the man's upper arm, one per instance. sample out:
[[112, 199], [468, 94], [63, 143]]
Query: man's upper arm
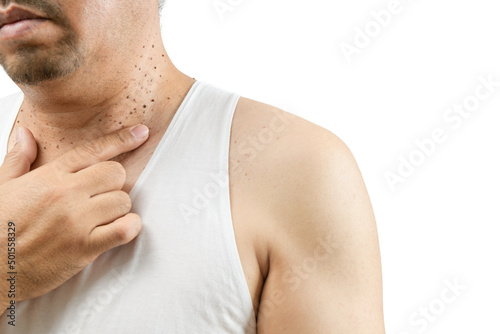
[[325, 272]]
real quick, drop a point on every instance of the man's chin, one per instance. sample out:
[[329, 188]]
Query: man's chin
[[31, 66], [33, 73]]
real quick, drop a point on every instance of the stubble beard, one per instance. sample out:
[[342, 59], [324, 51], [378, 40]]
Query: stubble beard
[[33, 63]]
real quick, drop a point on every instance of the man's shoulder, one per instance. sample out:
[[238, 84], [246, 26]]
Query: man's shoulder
[[265, 137], [282, 159], [309, 214]]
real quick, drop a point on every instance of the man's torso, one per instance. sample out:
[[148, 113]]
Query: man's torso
[[251, 222]]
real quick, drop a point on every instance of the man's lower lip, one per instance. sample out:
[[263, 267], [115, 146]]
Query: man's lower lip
[[19, 28]]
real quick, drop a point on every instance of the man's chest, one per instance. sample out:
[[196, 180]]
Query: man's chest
[[246, 231]]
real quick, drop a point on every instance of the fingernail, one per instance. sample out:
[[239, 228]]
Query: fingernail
[[19, 134], [140, 131]]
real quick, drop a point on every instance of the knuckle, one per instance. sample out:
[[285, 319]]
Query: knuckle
[[111, 173], [117, 170], [124, 201], [64, 161], [116, 165], [13, 154], [93, 148], [122, 234], [123, 137], [13, 159]]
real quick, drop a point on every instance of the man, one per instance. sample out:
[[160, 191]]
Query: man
[[253, 220]]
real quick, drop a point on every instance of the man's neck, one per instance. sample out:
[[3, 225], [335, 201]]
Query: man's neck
[[61, 114]]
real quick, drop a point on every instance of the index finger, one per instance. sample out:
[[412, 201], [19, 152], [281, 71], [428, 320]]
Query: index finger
[[102, 148]]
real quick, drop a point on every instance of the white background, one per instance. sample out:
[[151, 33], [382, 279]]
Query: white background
[[442, 222]]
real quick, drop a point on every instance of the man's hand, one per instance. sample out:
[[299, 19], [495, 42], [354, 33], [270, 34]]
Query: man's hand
[[66, 213]]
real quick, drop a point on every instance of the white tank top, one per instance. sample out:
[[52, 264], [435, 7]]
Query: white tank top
[[182, 274]]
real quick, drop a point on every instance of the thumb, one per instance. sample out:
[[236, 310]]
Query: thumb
[[19, 159]]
